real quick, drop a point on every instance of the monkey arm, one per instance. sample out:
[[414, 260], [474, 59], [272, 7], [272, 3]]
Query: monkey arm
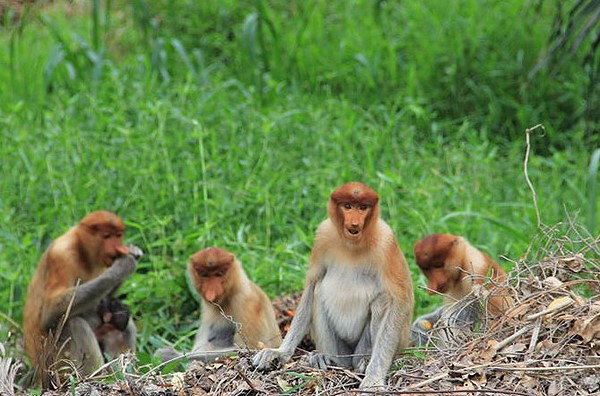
[[386, 342], [86, 296], [216, 336], [301, 322], [298, 329], [212, 341], [136, 253], [430, 318], [422, 326]]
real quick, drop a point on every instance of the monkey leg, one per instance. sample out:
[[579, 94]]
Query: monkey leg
[[363, 350], [130, 335], [117, 342], [83, 348], [166, 354], [420, 331], [458, 322], [211, 342], [220, 336], [331, 349]]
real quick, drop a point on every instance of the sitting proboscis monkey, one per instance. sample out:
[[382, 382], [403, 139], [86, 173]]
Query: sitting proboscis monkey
[[236, 313], [78, 270], [453, 268], [358, 296]]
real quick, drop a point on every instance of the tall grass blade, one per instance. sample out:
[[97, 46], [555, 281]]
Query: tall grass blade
[[592, 184], [159, 58], [249, 46], [96, 24], [56, 32], [180, 49], [56, 57], [201, 65], [264, 18], [497, 222]]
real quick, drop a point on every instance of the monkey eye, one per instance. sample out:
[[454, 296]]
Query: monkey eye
[[347, 206], [106, 235], [219, 274], [362, 207]]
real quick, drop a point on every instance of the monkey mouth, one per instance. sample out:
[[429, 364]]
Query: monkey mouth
[[353, 232], [109, 260]]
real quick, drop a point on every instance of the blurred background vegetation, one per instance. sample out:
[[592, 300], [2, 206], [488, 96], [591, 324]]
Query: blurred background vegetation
[[229, 122]]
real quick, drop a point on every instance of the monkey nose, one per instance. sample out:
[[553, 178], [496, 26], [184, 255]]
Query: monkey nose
[[123, 250], [432, 288], [210, 295]]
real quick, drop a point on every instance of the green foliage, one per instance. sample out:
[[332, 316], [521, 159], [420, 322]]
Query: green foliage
[[438, 62], [228, 123]]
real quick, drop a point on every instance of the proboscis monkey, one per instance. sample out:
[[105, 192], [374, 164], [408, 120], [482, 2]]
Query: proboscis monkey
[[236, 313], [77, 271], [114, 319], [358, 296], [452, 267]]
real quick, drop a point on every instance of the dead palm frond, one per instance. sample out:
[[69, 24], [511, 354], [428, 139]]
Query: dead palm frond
[[8, 373]]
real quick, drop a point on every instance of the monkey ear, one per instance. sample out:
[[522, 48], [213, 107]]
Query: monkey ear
[[195, 267]]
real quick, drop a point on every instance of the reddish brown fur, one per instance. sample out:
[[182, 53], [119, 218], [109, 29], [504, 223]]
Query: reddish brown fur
[[210, 271], [80, 255], [352, 207], [452, 266], [220, 279]]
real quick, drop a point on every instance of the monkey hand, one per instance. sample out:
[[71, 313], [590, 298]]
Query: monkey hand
[[268, 359], [360, 363], [322, 361], [122, 268], [135, 252]]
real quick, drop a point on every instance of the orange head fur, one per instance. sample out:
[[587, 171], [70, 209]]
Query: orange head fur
[[353, 208], [434, 255], [101, 234], [209, 270]]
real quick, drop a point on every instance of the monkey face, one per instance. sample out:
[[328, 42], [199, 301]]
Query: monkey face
[[113, 311], [209, 269], [437, 280], [354, 218], [432, 255], [212, 282], [105, 232], [112, 247], [351, 208]]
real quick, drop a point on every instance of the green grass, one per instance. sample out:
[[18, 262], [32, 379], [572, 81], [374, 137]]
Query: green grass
[[230, 127]]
